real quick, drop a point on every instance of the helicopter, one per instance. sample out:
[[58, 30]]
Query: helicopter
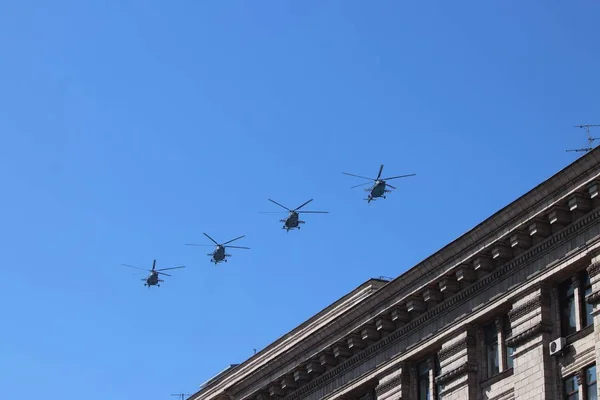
[[219, 254], [293, 220], [379, 187], [153, 279]]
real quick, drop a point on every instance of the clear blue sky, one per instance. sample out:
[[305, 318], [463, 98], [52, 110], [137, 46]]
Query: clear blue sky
[[128, 128]]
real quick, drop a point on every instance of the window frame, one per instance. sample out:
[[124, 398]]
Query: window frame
[[490, 340], [567, 295], [424, 377]]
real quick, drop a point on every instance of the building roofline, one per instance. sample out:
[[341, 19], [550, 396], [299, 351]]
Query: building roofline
[[376, 283], [496, 225]]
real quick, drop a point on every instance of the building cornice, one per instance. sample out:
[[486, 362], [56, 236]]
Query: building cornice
[[498, 226], [508, 269]]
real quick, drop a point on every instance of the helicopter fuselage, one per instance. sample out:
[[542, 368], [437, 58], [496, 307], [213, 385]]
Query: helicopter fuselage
[[378, 190], [292, 220], [152, 279], [219, 254]]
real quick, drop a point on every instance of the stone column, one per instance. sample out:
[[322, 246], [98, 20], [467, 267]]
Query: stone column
[[395, 385], [594, 298], [458, 364], [535, 372]]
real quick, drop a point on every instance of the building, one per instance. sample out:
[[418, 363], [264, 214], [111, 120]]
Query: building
[[510, 310]]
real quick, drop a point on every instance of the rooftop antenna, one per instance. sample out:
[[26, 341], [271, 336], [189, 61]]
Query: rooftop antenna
[[590, 139], [181, 395]]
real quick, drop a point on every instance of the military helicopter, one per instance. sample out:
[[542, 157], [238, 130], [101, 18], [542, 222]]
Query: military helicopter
[[219, 254], [293, 220], [153, 279], [379, 187]]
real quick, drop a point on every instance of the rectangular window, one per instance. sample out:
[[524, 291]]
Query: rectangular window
[[509, 362], [438, 372], [567, 308], [571, 388], [587, 309], [590, 382], [490, 334], [423, 381]]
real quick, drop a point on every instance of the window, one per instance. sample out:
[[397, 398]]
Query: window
[[584, 380], [587, 309], [508, 362], [490, 334], [590, 383], [571, 388], [423, 381], [567, 308], [438, 371]]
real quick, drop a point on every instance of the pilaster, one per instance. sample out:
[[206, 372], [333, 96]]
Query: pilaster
[[534, 370], [395, 385], [458, 368], [594, 299]]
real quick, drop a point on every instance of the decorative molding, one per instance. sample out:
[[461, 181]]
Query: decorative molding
[[392, 383], [593, 298], [509, 268], [593, 269], [580, 377], [456, 348], [523, 337], [456, 373], [526, 308]]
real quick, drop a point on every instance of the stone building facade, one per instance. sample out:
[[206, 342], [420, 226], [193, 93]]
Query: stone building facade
[[510, 310]]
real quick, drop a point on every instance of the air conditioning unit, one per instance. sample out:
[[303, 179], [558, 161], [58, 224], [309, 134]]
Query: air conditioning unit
[[557, 346]]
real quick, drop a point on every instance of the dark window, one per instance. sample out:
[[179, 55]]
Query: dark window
[[490, 334], [438, 372], [586, 286], [567, 308], [509, 350], [590, 383], [423, 381], [571, 388]]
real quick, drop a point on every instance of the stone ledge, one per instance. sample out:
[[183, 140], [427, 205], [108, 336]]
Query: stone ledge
[[593, 298], [523, 337], [527, 307], [498, 377], [455, 348], [593, 269], [456, 373], [392, 383]]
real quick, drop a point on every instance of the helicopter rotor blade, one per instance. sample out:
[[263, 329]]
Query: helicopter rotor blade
[[358, 176], [273, 201], [362, 184], [133, 266], [399, 176], [387, 184], [233, 240], [199, 245], [299, 207], [237, 247], [272, 212], [212, 240], [153, 265], [164, 269], [162, 273], [313, 212], [380, 171]]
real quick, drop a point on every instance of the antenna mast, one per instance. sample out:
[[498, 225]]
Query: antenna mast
[[590, 139], [181, 395]]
